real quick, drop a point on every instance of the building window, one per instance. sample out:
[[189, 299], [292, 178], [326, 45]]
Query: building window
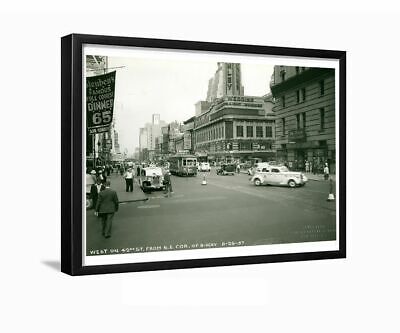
[[298, 120], [303, 94], [249, 131], [304, 119], [322, 87], [322, 118], [283, 101], [283, 126], [298, 96], [239, 131], [259, 131], [282, 73], [268, 130]]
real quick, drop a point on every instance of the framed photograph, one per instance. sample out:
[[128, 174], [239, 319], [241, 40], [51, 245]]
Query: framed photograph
[[182, 154]]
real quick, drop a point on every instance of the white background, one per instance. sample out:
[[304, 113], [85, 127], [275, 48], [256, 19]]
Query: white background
[[358, 294]]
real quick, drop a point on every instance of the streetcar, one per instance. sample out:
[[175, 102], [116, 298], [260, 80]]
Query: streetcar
[[183, 165]]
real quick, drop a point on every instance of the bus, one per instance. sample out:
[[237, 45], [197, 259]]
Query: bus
[[183, 165]]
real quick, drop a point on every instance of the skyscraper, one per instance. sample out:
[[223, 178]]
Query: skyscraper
[[227, 81]]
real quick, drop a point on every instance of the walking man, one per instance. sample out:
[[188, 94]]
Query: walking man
[[168, 185], [326, 171], [128, 175], [107, 205], [95, 189]]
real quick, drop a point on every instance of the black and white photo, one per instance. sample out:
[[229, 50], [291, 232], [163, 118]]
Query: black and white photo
[[209, 155]]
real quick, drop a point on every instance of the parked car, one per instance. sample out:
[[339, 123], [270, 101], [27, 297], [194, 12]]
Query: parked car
[[151, 178], [226, 169], [278, 175], [204, 166]]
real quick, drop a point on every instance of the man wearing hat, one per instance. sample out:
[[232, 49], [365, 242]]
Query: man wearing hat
[[128, 175], [95, 189], [107, 205], [93, 173]]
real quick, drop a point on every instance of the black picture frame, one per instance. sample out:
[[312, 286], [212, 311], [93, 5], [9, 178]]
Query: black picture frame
[[71, 152]]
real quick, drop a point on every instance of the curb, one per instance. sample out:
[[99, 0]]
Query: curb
[[134, 200]]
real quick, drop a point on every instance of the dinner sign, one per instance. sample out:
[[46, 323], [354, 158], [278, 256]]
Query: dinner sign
[[100, 91]]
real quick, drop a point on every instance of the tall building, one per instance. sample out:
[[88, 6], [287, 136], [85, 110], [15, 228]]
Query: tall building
[[305, 115], [234, 126], [149, 136], [227, 81], [143, 144]]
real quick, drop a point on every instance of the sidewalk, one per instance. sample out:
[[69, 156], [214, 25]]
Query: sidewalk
[[118, 184], [320, 176]]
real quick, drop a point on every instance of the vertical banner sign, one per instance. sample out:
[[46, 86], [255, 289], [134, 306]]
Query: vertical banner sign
[[100, 91], [229, 79]]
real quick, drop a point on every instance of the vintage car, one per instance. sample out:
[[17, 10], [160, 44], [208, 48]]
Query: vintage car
[[257, 167], [151, 178], [204, 166], [226, 169], [278, 175]]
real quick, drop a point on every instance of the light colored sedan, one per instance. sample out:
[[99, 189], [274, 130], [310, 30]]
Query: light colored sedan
[[278, 175], [204, 166]]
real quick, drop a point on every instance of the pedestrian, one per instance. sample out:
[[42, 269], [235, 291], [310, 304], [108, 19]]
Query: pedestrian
[[167, 184], [95, 189], [326, 171], [128, 175], [307, 166], [93, 174], [237, 168], [107, 205], [315, 166], [103, 176]]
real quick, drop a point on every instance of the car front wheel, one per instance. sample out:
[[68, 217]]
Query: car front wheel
[[292, 183], [257, 182]]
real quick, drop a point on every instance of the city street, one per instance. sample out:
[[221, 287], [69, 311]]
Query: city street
[[227, 209]]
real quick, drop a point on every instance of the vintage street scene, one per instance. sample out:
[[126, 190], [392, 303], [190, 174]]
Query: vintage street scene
[[185, 155]]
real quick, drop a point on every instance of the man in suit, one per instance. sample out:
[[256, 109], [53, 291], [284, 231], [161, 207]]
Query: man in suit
[[107, 205], [95, 190]]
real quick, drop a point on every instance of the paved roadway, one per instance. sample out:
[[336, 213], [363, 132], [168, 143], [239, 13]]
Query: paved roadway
[[227, 209]]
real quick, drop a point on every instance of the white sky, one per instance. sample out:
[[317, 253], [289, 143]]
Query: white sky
[[170, 88]]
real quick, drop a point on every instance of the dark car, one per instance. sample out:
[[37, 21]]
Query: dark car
[[226, 169]]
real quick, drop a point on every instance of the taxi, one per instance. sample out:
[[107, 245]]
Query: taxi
[[278, 175], [151, 178]]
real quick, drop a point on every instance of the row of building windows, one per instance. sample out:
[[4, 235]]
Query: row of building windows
[[301, 94], [283, 71], [210, 134], [250, 134], [301, 121]]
